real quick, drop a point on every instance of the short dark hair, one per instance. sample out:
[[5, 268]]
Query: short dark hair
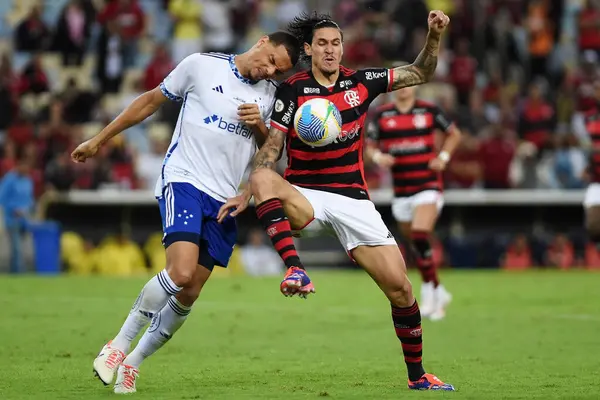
[[303, 27], [290, 42]]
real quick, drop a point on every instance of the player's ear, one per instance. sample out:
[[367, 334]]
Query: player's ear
[[307, 49], [264, 39]]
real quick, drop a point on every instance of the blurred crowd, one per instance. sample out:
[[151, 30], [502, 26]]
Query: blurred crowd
[[516, 76]]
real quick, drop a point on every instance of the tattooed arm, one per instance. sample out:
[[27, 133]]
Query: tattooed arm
[[270, 152], [423, 68]]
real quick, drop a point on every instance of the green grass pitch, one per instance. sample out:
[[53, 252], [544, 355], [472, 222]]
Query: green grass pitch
[[507, 336]]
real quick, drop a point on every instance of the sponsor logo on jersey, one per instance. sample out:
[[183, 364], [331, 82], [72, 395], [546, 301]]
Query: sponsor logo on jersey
[[238, 128], [311, 90], [375, 75], [408, 146], [287, 117], [346, 83], [348, 135]]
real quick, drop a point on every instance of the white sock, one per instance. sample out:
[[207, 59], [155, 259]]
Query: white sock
[[151, 300], [163, 327]]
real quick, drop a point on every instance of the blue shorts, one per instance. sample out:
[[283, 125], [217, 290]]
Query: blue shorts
[[190, 215]]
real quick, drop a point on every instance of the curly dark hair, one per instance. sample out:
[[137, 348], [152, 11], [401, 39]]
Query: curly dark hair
[[304, 26]]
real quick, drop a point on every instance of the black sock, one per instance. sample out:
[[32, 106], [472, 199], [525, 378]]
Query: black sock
[[276, 224], [407, 322]]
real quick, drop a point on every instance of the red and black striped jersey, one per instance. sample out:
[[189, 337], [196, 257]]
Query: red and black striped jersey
[[410, 138], [592, 125], [337, 167]]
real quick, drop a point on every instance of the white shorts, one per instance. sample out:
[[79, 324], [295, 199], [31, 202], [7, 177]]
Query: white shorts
[[403, 208], [592, 195], [354, 222]]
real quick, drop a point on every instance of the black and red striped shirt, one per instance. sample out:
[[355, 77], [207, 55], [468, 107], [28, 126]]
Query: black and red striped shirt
[[410, 138], [337, 167], [592, 125]]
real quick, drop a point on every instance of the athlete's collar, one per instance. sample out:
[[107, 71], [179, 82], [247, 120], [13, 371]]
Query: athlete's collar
[[237, 73]]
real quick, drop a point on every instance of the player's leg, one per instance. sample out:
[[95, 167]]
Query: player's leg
[[181, 241], [281, 208], [403, 210], [164, 325], [386, 266]]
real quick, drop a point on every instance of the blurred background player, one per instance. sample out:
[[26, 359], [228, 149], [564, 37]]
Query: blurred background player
[[225, 98], [404, 133], [325, 186], [592, 196]]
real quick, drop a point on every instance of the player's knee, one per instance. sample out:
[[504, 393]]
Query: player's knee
[[181, 275], [420, 241], [400, 294], [264, 182]]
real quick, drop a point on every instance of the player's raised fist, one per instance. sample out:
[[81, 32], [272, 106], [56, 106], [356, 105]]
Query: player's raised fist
[[84, 151], [437, 21]]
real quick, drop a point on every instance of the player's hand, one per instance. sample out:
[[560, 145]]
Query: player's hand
[[250, 114], [384, 160], [437, 164], [437, 21], [84, 151], [234, 206]]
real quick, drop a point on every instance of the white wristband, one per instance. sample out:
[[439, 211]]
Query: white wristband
[[444, 156]]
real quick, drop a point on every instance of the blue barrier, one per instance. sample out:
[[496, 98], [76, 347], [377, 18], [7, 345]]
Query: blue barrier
[[46, 245]]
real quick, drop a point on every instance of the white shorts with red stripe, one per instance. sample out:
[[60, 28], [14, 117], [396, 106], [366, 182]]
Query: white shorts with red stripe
[[354, 222], [403, 208]]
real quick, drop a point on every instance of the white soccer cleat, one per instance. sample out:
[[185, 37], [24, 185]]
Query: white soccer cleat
[[427, 303], [107, 362], [442, 299], [126, 376]]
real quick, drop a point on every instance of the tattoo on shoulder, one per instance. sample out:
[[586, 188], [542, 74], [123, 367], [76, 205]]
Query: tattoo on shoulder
[[268, 154]]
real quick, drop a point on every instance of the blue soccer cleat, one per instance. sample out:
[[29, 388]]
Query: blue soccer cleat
[[296, 281]]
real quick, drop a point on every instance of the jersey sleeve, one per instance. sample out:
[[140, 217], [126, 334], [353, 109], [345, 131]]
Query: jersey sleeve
[[441, 121], [286, 102], [181, 79], [377, 80]]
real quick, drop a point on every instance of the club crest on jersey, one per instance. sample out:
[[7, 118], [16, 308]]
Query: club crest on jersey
[[420, 121], [352, 98]]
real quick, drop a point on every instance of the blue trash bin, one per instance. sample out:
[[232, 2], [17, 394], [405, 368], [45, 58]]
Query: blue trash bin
[[46, 246]]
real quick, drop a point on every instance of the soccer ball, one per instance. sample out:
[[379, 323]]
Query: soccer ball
[[318, 122]]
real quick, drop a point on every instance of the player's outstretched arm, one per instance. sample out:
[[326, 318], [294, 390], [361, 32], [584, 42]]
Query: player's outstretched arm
[[269, 153], [141, 108], [423, 68]]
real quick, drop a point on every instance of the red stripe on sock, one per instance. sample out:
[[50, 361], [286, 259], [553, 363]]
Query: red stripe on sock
[[287, 241], [265, 208], [413, 359], [288, 254], [409, 332], [419, 235], [279, 227], [412, 347], [402, 311]]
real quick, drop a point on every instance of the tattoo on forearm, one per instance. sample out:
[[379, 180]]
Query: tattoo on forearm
[[269, 153], [422, 69]]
